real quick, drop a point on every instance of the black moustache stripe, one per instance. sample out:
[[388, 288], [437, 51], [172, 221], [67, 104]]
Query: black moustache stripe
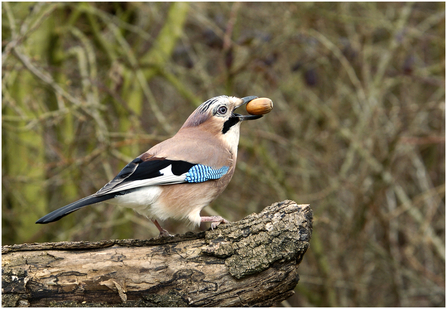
[[229, 123]]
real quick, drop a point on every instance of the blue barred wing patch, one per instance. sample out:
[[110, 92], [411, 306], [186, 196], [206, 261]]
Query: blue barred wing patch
[[202, 173]]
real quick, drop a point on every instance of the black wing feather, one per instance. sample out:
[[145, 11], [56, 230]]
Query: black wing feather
[[139, 170]]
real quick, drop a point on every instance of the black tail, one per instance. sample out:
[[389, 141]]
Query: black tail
[[63, 211]]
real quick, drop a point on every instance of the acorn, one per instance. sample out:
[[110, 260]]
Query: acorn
[[259, 106]]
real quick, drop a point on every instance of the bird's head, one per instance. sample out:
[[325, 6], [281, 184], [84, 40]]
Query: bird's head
[[217, 114]]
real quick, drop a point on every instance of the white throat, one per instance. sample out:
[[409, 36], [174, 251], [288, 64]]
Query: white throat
[[231, 138]]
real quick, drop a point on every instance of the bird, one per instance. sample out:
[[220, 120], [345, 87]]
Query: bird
[[178, 177]]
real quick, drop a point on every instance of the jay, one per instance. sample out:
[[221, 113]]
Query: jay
[[178, 177]]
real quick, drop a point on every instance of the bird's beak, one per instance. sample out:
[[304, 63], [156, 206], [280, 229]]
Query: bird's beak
[[245, 100]]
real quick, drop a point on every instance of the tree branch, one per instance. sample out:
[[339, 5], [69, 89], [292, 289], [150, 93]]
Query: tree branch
[[251, 262]]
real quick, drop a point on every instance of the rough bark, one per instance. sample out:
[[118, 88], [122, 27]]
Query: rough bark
[[251, 262]]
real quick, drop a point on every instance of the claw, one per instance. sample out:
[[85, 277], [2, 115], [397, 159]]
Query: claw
[[215, 221], [163, 232]]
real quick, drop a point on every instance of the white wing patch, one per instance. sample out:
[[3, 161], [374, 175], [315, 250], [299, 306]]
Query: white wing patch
[[167, 178]]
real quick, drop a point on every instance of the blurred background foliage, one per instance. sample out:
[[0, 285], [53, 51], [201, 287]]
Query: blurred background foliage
[[357, 129]]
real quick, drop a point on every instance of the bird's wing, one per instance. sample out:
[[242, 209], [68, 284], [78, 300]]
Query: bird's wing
[[147, 170], [140, 173]]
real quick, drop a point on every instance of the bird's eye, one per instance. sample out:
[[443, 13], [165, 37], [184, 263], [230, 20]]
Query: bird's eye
[[222, 110]]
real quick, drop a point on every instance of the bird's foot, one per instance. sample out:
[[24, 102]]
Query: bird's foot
[[215, 220], [163, 232]]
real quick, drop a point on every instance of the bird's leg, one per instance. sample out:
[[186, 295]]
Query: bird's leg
[[215, 220], [163, 232]]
